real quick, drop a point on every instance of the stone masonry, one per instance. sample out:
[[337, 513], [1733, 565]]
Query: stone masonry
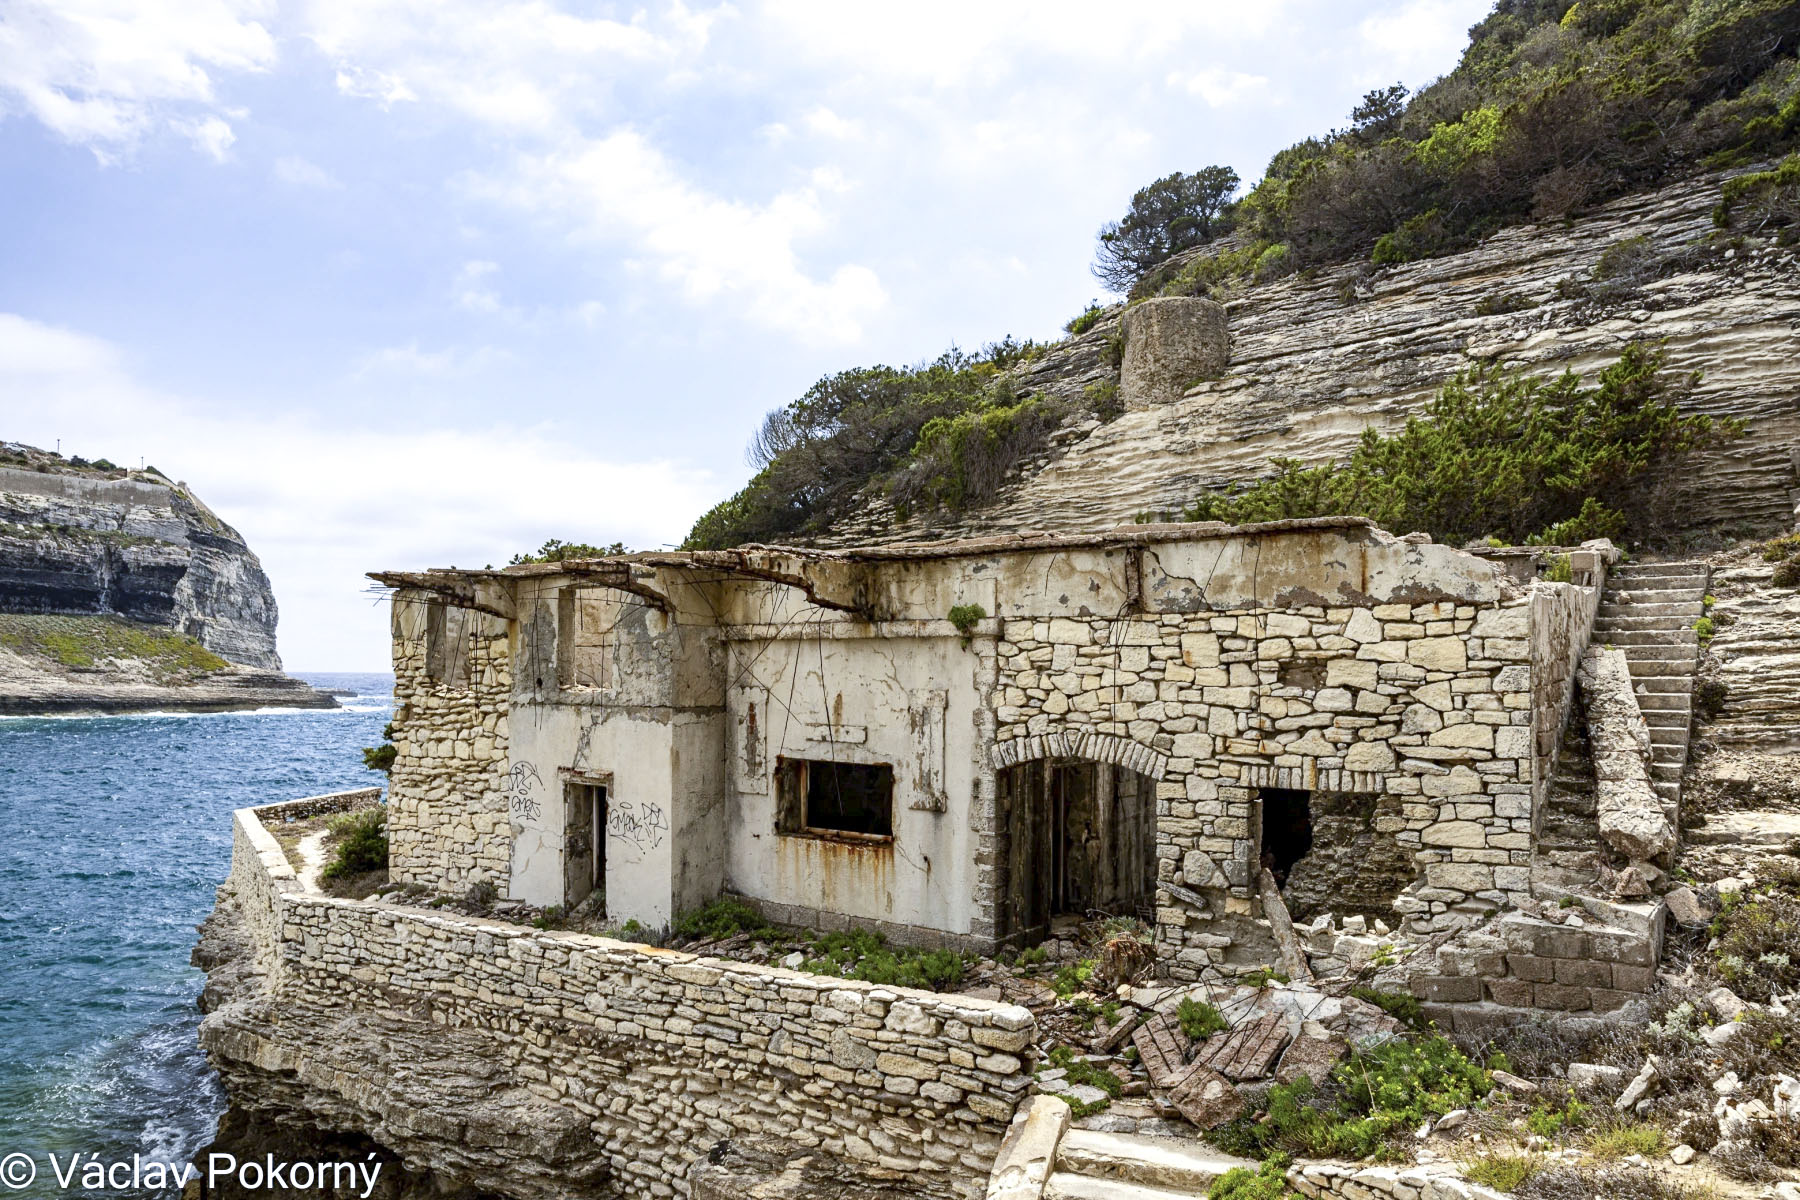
[[655, 1055]]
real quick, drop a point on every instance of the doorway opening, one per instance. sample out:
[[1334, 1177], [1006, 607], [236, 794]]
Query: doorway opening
[[584, 843], [1080, 839], [1287, 831]]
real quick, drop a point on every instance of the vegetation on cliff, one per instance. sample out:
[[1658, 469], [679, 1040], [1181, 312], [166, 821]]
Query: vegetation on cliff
[[1554, 106], [932, 431], [1500, 453], [83, 643]]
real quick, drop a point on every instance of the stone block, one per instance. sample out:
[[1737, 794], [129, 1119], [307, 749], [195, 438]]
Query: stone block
[[1438, 654], [1561, 997], [1515, 993], [1633, 979], [1447, 989], [1579, 973]]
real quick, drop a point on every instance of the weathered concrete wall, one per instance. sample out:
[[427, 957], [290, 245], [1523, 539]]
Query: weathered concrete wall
[[910, 702], [656, 1056]]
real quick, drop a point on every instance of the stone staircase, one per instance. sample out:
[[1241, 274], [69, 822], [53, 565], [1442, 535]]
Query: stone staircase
[[1648, 611], [1091, 1165], [1567, 855]]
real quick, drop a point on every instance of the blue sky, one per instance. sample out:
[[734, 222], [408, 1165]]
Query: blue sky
[[415, 283]]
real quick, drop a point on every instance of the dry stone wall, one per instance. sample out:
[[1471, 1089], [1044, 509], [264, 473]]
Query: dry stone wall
[[1429, 703], [449, 825], [660, 1055]]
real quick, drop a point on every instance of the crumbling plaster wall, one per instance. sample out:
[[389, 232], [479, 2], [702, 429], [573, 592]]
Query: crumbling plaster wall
[[448, 823], [653, 738], [907, 698]]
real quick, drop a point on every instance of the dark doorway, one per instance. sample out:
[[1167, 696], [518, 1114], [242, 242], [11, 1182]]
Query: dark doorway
[[1080, 839], [1287, 833], [584, 842]]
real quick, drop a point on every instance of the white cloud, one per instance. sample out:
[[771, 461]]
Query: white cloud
[[1417, 40], [620, 189], [471, 293], [1218, 87], [409, 359], [322, 503], [826, 123], [297, 171], [105, 75]]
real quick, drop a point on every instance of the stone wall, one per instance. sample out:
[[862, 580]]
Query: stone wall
[[659, 1055], [448, 820], [1430, 703], [1562, 620]]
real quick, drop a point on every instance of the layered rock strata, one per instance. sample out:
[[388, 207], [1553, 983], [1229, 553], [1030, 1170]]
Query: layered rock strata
[[1317, 357]]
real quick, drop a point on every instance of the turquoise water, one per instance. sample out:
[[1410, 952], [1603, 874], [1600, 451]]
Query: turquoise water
[[114, 833]]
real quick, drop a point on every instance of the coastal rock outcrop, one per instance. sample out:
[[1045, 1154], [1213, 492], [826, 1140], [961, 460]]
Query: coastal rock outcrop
[[121, 590]]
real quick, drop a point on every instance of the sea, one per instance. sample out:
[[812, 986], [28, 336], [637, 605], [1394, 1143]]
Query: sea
[[114, 833]]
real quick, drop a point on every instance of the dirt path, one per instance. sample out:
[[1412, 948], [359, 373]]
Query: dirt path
[[312, 859]]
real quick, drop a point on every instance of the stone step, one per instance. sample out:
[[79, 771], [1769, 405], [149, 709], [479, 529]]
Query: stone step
[[1065, 1186], [1666, 718], [1638, 585], [1669, 772], [1189, 1166], [1657, 608], [1668, 735], [1663, 652], [1665, 701], [1658, 570], [1612, 626], [1653, 678], [1627, 639], [1668, 791]]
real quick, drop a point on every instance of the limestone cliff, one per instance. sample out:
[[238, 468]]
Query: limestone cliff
[[122, 590], [1317, 357]]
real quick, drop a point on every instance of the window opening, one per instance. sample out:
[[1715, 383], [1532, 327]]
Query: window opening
[[835, 798]]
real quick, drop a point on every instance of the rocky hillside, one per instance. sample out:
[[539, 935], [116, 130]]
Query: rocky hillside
[[120, 589], [1316, 357]]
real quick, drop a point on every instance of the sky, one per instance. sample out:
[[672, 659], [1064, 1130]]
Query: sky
[[395, 284]]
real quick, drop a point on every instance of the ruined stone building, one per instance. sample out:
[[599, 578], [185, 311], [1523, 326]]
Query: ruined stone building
[[959, 742]]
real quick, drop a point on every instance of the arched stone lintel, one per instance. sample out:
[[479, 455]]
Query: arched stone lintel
[[1096, 747]]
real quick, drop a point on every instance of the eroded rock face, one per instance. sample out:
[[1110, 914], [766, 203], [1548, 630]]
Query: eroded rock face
[[1315, 359], [1170, 344], [138, 548]]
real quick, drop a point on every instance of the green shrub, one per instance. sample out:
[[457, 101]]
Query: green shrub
[[1781, 548], [864, 954], [381, 758], [359, 841], [1402, 1006], [1086, 320], [1035, 956], [962, 459], [721, 919], [1550, 1119], [1497, 303], [1200, 1020], [1787, 575], [1762, 198], [557, 550], [1102, 399], [1704, 629], [1499, 451], [1622, 1141], [1374, 1097], [1261, 977], [1502, 1172], [1418, 237], [1074, 977], [965, 617], [1267, 1182], [1174, 213], [1560, 570], [1755, 936]]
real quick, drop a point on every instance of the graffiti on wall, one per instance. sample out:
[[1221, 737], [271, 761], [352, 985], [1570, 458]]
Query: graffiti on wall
[[635, 829], [523, 786]]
